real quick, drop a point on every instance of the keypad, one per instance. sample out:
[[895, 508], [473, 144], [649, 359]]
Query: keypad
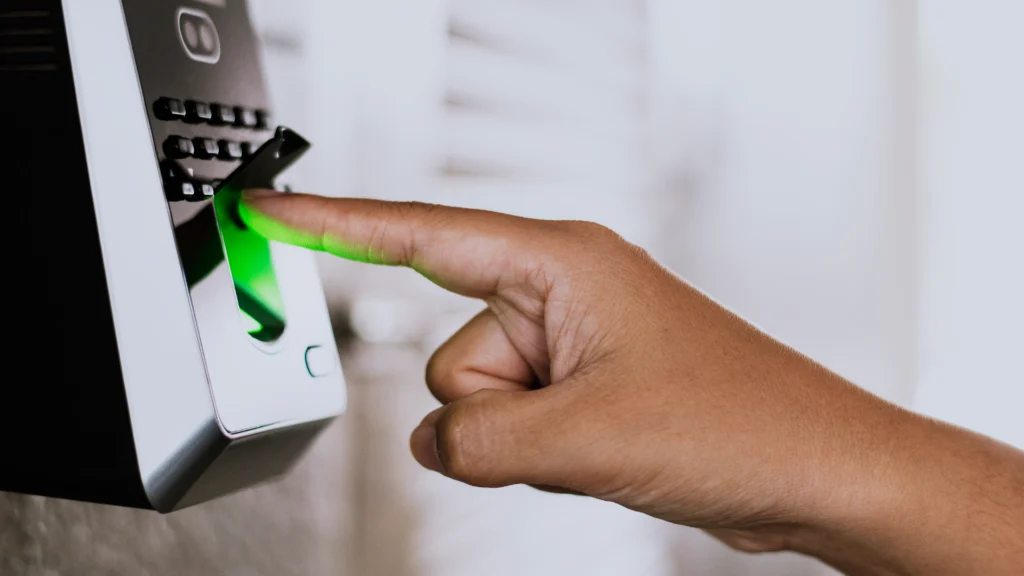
[[206, 148], [230, 150], [179, 147], [178, 190], [222, 115], [222, 133], [246, 118], [170, 109], [197, 112]]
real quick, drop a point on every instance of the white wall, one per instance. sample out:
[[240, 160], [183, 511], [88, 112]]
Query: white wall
[[850, 177], [782, 204], [783, 145], [972, 309]]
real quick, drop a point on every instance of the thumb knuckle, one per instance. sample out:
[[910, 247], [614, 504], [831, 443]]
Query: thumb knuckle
[[469, 439]]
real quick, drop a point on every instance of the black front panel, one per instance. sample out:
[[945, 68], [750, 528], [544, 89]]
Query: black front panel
[[202, 81], [201, 77]]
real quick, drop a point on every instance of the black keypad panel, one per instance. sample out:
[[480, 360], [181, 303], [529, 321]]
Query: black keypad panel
[[170, 109], [186, 189], [230, 150], [212, 140], [206, 148], [198, 112], [179, 147], [181, 191], [222, 115], [246, 118]]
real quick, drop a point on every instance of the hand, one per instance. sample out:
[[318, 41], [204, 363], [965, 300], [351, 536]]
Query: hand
[[596, 371]]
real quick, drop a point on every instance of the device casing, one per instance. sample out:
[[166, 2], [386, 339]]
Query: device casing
[[131, 380]]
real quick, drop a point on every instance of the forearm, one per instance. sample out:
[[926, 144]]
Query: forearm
[[931, 499], [857, 482]]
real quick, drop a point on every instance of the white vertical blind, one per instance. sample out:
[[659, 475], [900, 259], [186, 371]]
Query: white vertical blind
[[544, 116], [545, 109], [524, 106]]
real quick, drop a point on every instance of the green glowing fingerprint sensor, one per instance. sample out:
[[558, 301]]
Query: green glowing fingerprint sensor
[[260, 304]]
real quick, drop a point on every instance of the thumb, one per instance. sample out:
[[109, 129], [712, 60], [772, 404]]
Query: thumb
[[497, 438], [466, 251]]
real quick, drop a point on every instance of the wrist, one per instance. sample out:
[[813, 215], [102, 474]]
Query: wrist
[[920, 497]]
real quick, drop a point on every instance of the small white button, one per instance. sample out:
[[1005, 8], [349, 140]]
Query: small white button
[[320, 361]]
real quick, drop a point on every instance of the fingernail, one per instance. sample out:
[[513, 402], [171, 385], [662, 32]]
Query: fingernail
[[258, 194], [424, 447]]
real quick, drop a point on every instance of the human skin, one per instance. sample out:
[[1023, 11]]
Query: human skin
[[593, 370]]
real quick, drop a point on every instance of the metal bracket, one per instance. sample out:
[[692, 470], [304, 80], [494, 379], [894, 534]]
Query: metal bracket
[[263, 167]]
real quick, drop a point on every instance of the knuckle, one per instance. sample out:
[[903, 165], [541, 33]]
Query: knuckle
[[580, 227], [431, 215], [414, 215], [592, 233], [416, 211], [466, 443], [586, 244], [408, 209], [392, 239], [436, 370], [379, 239], [640, 254], [441, 376]]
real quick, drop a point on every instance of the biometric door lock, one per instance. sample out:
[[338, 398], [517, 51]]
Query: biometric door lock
[[170, 355]]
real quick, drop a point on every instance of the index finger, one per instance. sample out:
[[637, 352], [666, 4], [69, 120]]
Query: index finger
[[463, 250]]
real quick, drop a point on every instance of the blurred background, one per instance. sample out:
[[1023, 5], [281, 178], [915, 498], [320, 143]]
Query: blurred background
[[848, 175]]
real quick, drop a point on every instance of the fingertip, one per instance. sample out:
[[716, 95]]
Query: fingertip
[[254, 208], [258, 205], [423, 443], [258, 194], [264, 212]]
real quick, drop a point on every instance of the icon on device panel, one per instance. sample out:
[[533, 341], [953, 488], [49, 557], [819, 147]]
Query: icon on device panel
[[198, 35]]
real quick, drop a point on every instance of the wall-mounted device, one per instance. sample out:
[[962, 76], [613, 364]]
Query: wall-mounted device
[[163, 354]]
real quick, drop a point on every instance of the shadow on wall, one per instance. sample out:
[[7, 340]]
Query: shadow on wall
[[299, 526], [340, 512]]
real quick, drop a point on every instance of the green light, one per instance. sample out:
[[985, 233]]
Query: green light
[[279, 232], [252, 268], [249, 323], [270, 228]]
